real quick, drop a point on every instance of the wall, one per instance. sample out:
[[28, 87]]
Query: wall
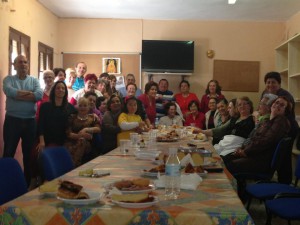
[[33, 20], [249, 41]]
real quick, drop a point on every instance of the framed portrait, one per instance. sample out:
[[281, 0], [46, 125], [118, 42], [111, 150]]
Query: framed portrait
[[111, 65]]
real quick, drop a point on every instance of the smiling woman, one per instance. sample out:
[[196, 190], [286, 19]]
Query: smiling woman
[[80, 132]]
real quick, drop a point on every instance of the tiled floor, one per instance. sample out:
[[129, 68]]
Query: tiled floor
[[258, 214]]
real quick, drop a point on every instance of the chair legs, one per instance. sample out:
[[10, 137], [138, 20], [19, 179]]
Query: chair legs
[[248, 203]]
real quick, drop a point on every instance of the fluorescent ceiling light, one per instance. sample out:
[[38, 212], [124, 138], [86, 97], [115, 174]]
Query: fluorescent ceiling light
[[231, 2]]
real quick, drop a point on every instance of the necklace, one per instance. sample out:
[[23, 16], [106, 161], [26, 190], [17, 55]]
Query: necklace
[[82, 118]]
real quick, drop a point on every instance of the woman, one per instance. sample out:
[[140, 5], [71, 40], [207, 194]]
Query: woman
[[70, 80], [195, 117], [129, 120], [101, 105], [212, 115], [113, 82], [171, 118], [256, 156], [81, 127], [92, 97], [148, 100], [52, 123], [273, 86], [185, 97], [222, 107], [90, 81], [60, 74], [239, 126], [131, 92], [110, 127], [213, 90], [48, 77]]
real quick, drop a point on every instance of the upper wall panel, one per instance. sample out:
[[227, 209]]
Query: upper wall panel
[[100, 35]]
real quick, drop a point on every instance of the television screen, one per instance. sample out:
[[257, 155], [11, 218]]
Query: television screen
[[168, 56]]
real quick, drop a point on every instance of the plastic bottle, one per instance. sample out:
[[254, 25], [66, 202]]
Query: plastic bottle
[[172, 178], [156, 122]]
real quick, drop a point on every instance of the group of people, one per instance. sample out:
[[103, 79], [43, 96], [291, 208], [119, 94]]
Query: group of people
[[88, 115]]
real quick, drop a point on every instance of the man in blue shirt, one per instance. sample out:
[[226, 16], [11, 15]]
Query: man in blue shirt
[[80, 69], [22, 92]]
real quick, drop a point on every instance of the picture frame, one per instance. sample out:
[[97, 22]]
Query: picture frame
[[111, 65]]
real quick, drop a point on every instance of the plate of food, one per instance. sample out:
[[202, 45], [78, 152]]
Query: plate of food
[[139, 185], [74, 194], [153, 172], [166, 139], [195, 169], [142, 200]]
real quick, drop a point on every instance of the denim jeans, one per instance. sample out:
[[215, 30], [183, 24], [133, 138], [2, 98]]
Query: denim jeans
[[15, 129]]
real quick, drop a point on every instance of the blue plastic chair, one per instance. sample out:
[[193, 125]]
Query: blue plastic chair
[[12, 180], [56, 161], [242, 178], [284, 205], [268, 190]]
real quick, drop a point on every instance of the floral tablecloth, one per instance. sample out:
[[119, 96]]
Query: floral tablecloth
[[214, 202]]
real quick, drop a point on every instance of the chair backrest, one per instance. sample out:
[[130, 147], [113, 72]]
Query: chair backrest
[[282, 146], [12, 180], [56, 161], [297, 171]]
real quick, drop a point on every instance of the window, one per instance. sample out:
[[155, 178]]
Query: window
[[19, 44], [45, 61]]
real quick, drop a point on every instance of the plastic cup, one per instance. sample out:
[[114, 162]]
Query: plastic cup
[[134, 138], [124, 146]]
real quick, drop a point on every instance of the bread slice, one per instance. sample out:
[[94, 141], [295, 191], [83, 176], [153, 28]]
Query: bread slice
[[133, 198]]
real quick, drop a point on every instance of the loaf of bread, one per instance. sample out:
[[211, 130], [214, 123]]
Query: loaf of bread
[[69, 190], [49, 187], [132, 198]]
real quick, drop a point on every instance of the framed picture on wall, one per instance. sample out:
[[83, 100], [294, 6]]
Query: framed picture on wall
[[111, 65]]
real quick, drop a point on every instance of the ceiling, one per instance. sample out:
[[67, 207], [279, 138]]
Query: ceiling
[[243, 10]]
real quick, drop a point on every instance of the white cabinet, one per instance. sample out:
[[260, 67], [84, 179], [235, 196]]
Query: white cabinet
[[288, 64]]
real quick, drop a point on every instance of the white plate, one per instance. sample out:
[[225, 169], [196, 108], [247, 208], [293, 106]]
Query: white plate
[[108, 187], [147, 155], [136, 205], [94, 197], [151, 174]]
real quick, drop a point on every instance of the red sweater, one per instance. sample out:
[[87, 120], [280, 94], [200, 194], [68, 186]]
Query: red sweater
[[183, 102], [199, 121]]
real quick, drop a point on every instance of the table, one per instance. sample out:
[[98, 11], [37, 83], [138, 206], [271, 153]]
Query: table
[[214, 202]]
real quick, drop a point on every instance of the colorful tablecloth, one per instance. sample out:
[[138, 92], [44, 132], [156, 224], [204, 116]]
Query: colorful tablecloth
[[214, 202]]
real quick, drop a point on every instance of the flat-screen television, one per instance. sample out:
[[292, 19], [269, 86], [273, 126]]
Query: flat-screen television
[[167, 56]]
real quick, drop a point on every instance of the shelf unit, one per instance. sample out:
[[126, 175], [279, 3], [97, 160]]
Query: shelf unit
[[288, 64]]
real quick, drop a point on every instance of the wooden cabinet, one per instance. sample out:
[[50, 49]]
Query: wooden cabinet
[[288, 64]]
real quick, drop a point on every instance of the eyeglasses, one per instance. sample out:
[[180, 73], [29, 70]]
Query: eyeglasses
[[281, 104]]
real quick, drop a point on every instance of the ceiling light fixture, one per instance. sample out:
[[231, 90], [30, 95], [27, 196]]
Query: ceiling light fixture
[[231, 2]]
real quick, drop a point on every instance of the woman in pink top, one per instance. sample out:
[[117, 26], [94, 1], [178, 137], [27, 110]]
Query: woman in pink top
[[148, 100], [185, 97]]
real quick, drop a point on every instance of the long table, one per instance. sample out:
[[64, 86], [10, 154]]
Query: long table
[[214, 201]]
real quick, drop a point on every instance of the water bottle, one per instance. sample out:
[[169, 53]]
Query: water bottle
[[172, 178], [156, 122]]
